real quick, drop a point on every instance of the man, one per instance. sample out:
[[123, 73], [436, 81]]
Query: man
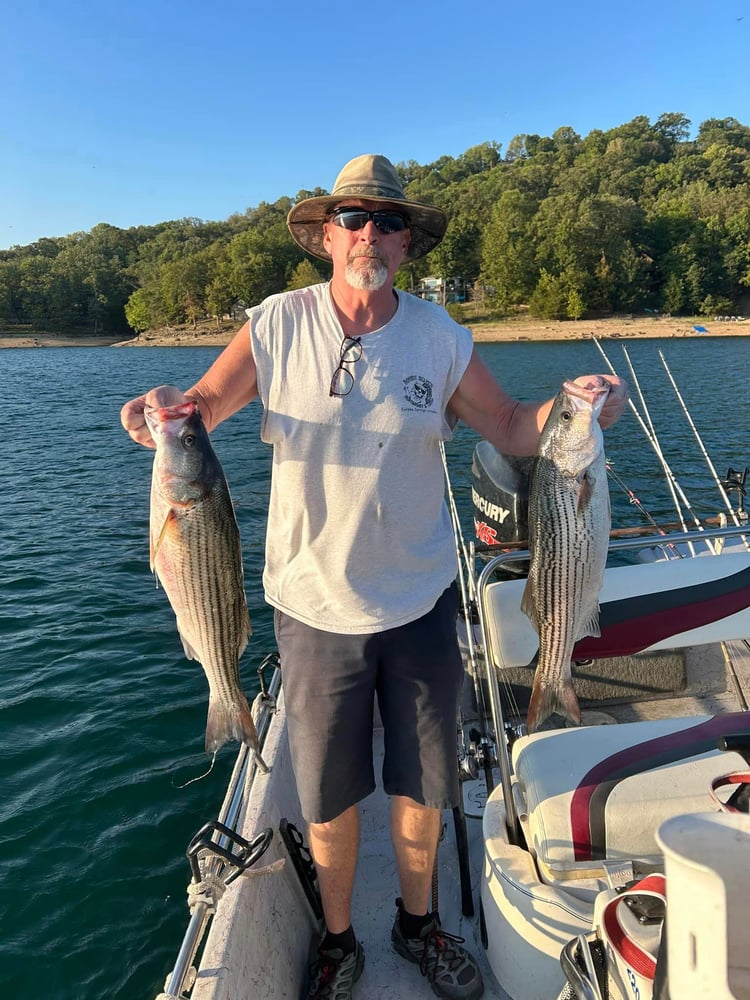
[[359, 385]]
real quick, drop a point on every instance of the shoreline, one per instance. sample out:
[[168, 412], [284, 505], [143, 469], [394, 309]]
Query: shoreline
[[501, 332]]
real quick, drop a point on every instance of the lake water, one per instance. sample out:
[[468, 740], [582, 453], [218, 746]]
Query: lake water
[[101, 717]]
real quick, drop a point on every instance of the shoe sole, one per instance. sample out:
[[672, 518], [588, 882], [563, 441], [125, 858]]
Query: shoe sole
[[359, 967]]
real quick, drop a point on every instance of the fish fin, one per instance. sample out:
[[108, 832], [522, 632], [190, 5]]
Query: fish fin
[[190, 653], [592, 625], [528, 603], [547, 698], [245, 633], [229, 721], [585, 492], [155, 546]]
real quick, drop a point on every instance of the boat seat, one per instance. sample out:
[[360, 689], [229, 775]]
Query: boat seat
[[643, 607], [599, 793]]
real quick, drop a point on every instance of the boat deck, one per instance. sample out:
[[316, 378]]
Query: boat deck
[[388, 976]]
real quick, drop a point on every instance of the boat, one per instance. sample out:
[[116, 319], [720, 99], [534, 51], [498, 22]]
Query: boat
[[602, 861]]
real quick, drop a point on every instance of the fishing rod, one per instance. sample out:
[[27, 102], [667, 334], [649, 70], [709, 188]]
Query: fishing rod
[[702, 447], [653, 440], [652, 436], [633, 499], [469, 562], [470, 608], [672, 483], [469, 603], [468, 593]]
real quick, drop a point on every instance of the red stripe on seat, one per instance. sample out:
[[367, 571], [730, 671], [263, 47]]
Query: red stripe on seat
[[587, 821], [670, 612]]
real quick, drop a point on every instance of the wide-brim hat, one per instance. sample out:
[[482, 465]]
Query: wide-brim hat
[[373, 178]]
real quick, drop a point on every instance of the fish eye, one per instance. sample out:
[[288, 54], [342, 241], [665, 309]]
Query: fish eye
[[566, 415], [189, 440]]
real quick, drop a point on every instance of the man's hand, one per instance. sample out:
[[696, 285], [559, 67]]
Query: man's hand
[[133, 420], [617, 398]]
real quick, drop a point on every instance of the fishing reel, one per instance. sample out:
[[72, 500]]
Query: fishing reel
[[474, 755], [735, 480]]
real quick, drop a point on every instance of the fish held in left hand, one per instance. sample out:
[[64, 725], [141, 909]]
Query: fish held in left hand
[[196, 556], [569, 523]]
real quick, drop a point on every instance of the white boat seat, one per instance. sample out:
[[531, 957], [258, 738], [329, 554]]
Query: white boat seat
[[643, 607], [600, 792]]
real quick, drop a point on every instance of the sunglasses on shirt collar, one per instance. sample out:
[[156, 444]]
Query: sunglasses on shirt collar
[[354, 219]]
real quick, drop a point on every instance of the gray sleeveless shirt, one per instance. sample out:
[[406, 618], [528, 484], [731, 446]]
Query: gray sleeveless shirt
[[359, 536]]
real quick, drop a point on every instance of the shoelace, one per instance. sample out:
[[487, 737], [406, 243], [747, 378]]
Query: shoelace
[[442, 943]]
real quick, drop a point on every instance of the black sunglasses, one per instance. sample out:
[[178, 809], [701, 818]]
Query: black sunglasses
[[357, 218], [342, 381]]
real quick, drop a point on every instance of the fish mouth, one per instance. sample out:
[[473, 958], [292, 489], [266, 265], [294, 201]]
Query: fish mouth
[[595, 395], [159, 417]]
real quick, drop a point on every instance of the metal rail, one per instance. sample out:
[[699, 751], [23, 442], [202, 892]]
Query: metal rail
[[243, 775]]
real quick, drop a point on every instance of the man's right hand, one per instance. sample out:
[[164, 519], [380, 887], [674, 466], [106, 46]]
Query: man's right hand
[[133, 420]]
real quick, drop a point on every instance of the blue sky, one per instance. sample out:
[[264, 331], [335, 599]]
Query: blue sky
[[139, 112]]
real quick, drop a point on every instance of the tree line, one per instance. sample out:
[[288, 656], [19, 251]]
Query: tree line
[[638, 217]]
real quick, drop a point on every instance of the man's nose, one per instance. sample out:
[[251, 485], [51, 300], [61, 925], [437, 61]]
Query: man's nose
[[369, 232]]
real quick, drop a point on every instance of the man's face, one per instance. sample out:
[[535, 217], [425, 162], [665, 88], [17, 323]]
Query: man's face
[[367, 257]]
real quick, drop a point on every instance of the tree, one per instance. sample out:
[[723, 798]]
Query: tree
[[137, 311], [508, 253], [457, 254], [304, 274], [549, 299], [576, 306], [636, 216]]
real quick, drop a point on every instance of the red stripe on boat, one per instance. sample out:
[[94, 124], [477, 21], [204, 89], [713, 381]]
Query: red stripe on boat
[[635, 623], [589, 799]]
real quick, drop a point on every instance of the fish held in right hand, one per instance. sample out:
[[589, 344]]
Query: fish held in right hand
[[196, 555]]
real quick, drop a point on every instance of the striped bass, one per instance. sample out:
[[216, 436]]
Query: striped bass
[[569, 523], [196, 556]]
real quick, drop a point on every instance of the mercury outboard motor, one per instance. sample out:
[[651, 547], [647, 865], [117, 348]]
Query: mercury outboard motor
[[500, 492]]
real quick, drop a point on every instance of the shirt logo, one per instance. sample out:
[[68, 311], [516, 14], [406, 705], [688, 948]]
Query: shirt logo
[[418, 391]]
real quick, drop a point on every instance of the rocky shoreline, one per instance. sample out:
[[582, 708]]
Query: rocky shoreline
[[508, 330]]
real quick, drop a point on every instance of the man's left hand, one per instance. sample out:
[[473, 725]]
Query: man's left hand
[[617, 399]]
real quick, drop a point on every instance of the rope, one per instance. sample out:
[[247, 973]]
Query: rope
[[190, 976], [209, 891], [211, 888], [275, 866]]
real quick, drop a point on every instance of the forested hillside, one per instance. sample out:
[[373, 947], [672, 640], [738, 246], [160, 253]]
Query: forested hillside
[[637, 218]]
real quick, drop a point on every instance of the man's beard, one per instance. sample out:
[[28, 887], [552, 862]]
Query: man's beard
[[369, 278]]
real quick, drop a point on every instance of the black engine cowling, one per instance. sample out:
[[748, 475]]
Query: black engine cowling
[[500, 494]]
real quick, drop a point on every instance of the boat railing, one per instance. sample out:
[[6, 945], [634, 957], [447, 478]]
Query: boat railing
[[232, 812]]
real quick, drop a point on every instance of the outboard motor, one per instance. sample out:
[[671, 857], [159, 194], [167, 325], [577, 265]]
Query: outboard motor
[[500, 493]]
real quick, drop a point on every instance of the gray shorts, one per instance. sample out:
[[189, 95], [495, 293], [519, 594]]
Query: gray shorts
[[330, 682]]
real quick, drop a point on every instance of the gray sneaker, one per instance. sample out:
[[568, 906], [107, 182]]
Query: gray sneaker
[[333, 975], [450, 969]]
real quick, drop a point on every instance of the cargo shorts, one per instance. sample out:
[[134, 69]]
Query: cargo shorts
[[330, 683]]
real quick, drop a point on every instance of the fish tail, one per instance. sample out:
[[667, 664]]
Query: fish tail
[[547, 698], [229, 721]]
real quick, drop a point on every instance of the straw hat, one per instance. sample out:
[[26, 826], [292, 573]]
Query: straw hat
[[373, 178]]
